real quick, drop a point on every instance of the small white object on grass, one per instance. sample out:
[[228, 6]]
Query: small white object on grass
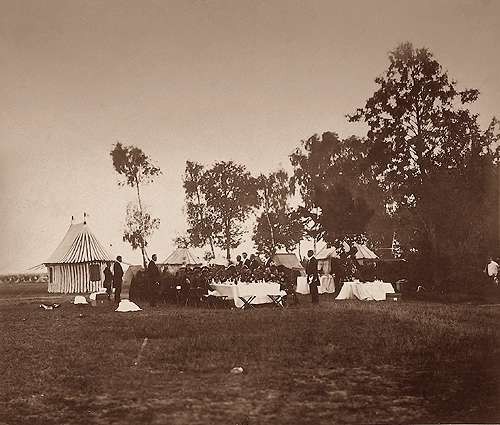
[[237, 370], [138, 358], [49, 306], [93, 295], [80, 299], [127, 305]]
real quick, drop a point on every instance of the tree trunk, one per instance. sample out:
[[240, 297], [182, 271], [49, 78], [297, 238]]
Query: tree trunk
[[143, 249], [202, 218], [434, 256], [271, 230], [228, 240], [273, 243], [138, 195], [211, 246], [144, 261]]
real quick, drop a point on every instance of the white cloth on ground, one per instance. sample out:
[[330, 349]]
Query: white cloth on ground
[[492, 268], [80, 299], [365, 291], [127, 305], [93, 295]]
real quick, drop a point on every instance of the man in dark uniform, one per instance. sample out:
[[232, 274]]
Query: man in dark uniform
[[117, 278], [312, 276], [108, 280], [154, 281]]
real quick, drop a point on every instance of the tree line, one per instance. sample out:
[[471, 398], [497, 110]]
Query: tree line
[[425, 173]]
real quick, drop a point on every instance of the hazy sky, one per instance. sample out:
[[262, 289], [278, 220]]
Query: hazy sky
[[198, 80]]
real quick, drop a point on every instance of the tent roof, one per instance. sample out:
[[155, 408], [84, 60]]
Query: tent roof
[[78, 246], [35, 270], [182, 256], [130, 273], [385, 253], [363, 252], [287, 259]]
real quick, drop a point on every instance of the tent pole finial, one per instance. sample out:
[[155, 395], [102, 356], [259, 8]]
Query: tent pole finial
[[84, 218]]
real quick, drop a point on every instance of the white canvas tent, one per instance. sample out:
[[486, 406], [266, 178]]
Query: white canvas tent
[[77, 263], [181, 257], [325, 256], [130, 273], [219, 260], [289, 260]]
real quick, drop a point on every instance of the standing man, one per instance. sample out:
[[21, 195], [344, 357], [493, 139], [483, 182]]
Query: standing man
[[108, 280], [154, 281], [117, 278], [312, 276]]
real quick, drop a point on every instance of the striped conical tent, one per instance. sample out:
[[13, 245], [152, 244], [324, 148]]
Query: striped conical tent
[[76, 264]]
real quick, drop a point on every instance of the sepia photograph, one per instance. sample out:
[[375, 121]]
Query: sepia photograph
[[249, 212]]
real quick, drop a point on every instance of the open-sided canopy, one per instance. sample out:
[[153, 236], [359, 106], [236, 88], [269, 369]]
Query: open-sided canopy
[[79, 246]]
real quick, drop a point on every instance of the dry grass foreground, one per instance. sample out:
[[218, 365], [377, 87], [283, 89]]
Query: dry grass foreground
[[343, 362]]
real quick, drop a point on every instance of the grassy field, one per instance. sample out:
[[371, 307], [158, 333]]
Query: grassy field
[[341, 362]]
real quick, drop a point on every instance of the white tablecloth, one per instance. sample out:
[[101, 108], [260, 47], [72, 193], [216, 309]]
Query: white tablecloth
[[327, 285], [261, 292], [365, 291]]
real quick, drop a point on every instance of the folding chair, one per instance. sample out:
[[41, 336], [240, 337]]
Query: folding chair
[[278, 300]]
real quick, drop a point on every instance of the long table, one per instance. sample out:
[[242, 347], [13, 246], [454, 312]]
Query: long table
[[365, 291], [245, 294], [327, 285]]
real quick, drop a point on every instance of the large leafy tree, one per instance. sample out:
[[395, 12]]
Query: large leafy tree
[[336, 184], [278, 226], [137, 170], [230, 195], [427, 150], [139, 226], [202, 224]]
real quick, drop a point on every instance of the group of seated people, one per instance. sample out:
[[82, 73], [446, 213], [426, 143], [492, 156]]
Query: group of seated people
[[192, 285]]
